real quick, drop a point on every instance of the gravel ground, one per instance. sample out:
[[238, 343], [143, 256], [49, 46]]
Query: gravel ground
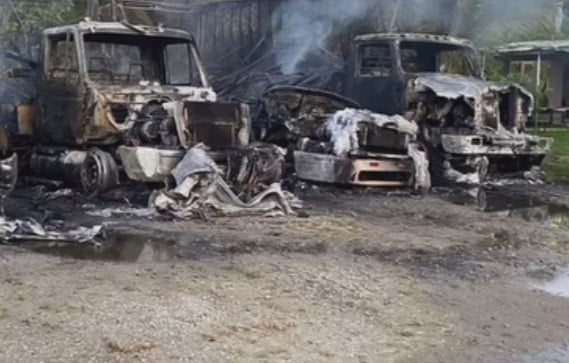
[[362, 277]]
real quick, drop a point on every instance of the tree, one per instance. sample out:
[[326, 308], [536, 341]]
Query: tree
[[27, 16]]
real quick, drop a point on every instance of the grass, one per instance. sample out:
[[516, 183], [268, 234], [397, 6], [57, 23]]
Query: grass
[[557, 164]]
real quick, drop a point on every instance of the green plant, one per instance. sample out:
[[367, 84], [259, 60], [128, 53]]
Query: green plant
[[31, 16]]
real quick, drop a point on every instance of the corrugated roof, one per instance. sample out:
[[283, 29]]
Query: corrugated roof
[[534, 47], [413, 37]]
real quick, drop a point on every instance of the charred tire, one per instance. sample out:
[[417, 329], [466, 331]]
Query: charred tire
[[412, 182], [483, 169], [436, 167], [99, 172], [482, 200]]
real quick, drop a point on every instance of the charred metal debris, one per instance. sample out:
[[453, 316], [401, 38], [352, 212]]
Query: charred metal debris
[[332, 140], [472, 131], [114, 102]]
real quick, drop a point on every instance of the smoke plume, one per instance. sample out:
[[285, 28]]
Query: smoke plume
[[303, 26]]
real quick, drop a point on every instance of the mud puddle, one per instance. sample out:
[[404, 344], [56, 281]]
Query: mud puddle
[[129, 247], [558, 285], [524, 204]]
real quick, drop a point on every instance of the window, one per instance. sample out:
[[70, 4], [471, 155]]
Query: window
[[120, 59], [62, 61], [109, 62], [375, 60], [454, 62], [178, 64], [410, 60], [433, 57]]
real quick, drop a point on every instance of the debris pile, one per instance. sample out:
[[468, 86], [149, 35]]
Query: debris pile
[[31, 230], [128, 211], [346, 125], [8, 177], [201, 189]]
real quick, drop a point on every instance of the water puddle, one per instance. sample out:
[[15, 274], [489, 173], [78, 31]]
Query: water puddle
[[512, 203], [130, 247], [558, 286], [492, 200]]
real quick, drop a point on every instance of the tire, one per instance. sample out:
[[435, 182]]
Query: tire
[[437, 168], [482, 200], [99, 172], [484, 169]]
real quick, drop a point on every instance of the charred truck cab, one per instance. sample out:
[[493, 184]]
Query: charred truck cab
[[113, 96], [469, 126]]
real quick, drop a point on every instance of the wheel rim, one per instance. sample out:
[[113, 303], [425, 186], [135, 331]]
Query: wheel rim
[[99, 172]]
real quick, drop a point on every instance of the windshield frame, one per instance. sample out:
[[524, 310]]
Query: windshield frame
[[160, 42], [475, 63]]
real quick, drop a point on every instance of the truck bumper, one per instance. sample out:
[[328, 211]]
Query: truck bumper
[[377, 172], [149, 165], [474, 145]]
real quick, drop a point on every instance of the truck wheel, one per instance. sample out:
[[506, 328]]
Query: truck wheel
[[483, 169], [482, 200], [437, 167], [99, 172]]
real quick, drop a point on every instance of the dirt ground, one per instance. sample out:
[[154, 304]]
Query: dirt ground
[[363, 277]]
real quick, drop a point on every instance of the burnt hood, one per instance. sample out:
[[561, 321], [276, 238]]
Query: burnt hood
[[456, 86]]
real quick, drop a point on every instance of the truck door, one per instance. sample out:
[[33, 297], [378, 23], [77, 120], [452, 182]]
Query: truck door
[[373, 79], [60, 92]]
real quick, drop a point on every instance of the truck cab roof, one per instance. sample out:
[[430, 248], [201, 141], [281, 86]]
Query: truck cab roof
[[413, 37], [89, 26]]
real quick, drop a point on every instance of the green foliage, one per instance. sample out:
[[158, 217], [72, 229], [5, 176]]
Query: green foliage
[[540, 26], [495, 72], [557, 164], [30, 16]]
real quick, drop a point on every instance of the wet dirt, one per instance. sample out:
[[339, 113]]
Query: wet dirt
[[117, 247], [558, 285], [554, 355], [130, 245], [525, 204], [359, 277]]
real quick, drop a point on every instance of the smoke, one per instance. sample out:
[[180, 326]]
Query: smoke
[[493, 22], [304, 26]]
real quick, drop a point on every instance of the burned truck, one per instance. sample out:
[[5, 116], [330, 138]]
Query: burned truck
[[470, 129], [469, 126], [334, 141], [118, 99]]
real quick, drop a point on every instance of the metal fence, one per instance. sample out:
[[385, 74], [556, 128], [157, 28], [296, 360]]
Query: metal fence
[[226, 30], [230, 31]]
